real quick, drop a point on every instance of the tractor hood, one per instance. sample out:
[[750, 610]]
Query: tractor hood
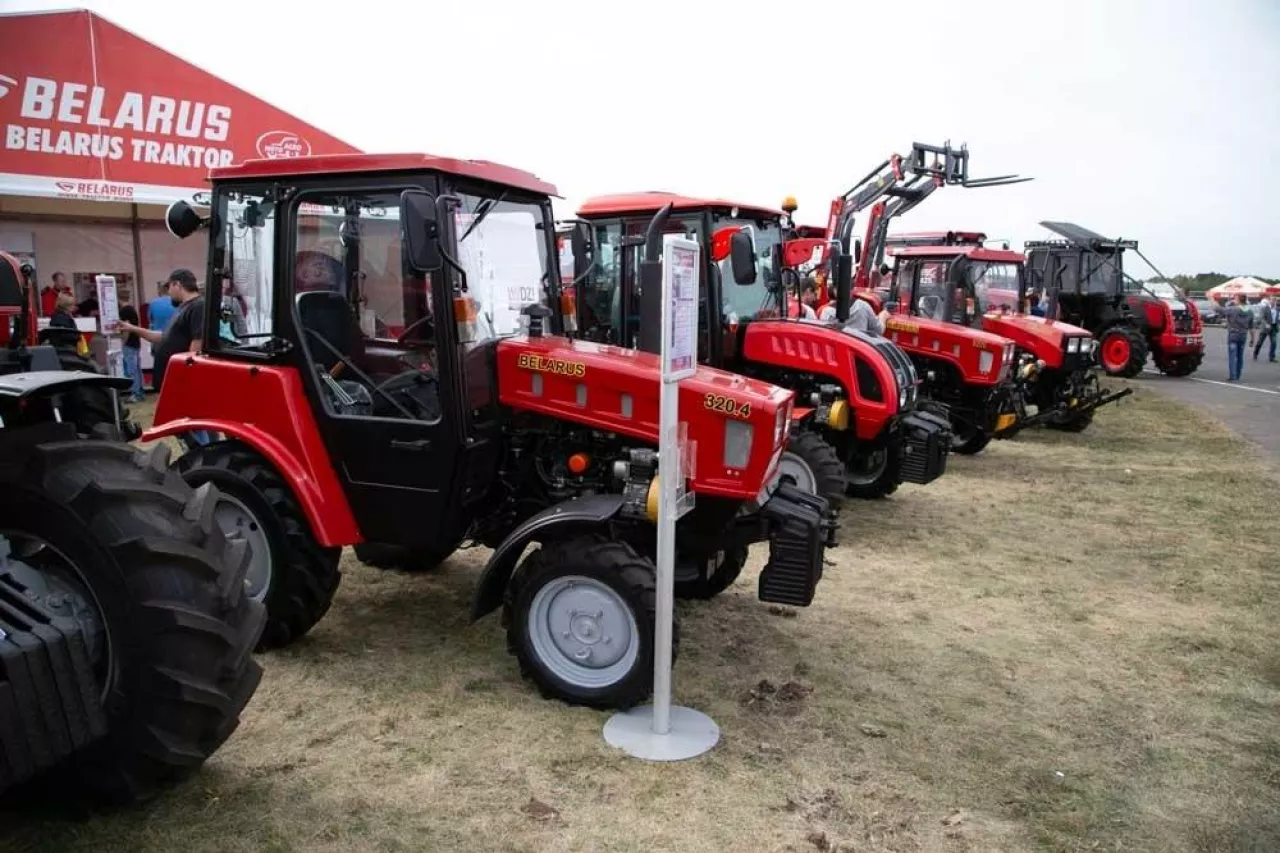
[[977, 355], [1045, 339], [738, 424]]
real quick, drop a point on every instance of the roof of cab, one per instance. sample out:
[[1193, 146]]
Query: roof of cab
[[977, 253], [483, 170], [646, 202]]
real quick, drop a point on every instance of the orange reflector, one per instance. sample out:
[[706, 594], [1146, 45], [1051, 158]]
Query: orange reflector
[[579, 462], [464, 308]]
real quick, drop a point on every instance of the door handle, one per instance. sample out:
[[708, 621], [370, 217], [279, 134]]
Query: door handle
[[417, 444]]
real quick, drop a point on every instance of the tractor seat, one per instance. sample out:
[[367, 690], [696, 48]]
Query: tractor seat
[[325, 313]]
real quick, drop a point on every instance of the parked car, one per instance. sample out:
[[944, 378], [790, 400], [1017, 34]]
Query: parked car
[[1210, 311]]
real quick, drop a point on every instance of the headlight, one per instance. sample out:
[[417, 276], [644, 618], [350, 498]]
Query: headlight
[[986, 360], [1073, 345], [780, 424], [1008, 353], [737, 443]]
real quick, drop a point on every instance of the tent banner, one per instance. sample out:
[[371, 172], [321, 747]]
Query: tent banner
[[108, 114]]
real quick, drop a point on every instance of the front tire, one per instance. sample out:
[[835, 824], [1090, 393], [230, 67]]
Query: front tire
[[1122, 351], [1076, 424], [113, 531], [874, 473], [702, 587], [293, 574], [1180, 365], [968, 436], [579, 615], [814, 466]]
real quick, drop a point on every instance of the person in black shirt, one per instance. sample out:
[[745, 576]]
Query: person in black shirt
[[185, 333], [132, 353]]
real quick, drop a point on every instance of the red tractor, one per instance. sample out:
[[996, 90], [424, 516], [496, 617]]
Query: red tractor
[[1083, 276], [964, 369], [954, 278], [859, 430], [409, 385]]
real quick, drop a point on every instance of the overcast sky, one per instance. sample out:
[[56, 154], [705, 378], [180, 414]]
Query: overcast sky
[[1153, 120]]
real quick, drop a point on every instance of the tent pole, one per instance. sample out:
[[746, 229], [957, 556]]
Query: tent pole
[[136, 295]]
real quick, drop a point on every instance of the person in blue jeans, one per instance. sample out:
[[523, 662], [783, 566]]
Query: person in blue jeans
[[132, 352], [1239, 321]]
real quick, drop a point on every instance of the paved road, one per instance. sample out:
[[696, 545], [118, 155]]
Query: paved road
[[1251, 406]]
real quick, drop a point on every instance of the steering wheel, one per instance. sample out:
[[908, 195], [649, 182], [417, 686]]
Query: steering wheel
[[364, 377], [429, 318], [927, 305]]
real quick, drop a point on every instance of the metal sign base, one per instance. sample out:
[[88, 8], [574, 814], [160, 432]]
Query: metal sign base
[[690, 734]]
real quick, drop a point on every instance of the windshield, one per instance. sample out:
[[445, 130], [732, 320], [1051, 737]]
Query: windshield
[[502, 247], [757, 299], [1163, 289], [994, 286]]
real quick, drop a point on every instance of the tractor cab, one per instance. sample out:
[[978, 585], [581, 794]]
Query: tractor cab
[[1083, 275], [405, 387]]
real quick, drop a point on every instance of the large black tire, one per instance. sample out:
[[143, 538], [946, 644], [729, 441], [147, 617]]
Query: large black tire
[[608, 567], [705, 587], [380, 555], [177, 669], [1122, 351], [870, 481], [302, 576], [821, 466], [1180, 365], [967, 435], [91, 408]]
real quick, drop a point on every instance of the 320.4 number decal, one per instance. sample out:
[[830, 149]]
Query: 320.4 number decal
[[727, 405]]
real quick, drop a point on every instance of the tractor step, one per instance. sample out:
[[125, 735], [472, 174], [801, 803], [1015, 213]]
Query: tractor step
[[800, 526], [49, 698], [924, 454]]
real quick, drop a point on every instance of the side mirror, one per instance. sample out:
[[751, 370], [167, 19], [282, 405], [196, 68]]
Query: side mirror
[[420, 231], [857, 251], [182, 220], [742, 257]]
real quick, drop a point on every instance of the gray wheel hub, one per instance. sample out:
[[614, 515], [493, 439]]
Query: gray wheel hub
[[583, 632], [234, 519], [794, 468]]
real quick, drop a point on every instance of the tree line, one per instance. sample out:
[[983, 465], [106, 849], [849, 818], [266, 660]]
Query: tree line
[[1202, 281]]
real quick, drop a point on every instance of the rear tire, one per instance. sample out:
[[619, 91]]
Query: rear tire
[[1122, 351], [579, 615], [300, 576], [168, 588], [817, 462], [380, 555]]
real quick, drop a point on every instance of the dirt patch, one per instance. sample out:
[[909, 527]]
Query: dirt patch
[[1068, 643]]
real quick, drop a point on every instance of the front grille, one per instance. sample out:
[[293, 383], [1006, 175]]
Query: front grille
[[49, 705], [927, 438], [899, 362], [1182, 322], [796, 547]]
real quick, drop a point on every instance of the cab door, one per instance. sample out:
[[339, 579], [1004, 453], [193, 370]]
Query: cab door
[[368, 348]]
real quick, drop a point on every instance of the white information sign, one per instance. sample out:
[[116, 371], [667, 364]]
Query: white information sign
[[108, 304], [662, 732], [679, 307]]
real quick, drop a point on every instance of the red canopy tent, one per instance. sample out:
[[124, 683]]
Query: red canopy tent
[[101, 131]]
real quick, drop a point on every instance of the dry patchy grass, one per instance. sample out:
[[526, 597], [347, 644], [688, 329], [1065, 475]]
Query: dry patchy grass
[[1067, 644]]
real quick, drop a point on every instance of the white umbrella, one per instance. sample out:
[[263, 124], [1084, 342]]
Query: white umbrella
[[1246, 284]]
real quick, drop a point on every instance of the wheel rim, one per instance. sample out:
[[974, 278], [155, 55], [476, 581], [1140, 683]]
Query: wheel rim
[[583, 632], [794, 468], [234, 518], [867, 469], [55, 582], [1115, 352]]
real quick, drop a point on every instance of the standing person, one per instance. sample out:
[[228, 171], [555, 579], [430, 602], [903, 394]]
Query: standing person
[[1239, 326], [160, 310], [184, 333], [132, 352], [1269, 325]]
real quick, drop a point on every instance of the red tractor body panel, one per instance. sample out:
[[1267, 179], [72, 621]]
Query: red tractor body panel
[[1158, 314], [958, 345], [1038, 336], [267, 409], [825, 351], [617, 390], [650, 202]]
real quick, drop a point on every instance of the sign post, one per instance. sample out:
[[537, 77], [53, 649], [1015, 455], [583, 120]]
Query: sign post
[[661, 731]]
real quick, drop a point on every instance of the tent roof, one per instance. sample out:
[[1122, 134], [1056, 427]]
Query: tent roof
[[110, 116]]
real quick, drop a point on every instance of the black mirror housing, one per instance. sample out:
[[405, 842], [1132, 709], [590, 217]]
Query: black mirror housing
[[420, 231], [182, 220], [857, 251], [742, 257]]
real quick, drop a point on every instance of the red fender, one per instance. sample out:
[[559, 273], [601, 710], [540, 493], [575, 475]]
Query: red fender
[[266, 408]]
